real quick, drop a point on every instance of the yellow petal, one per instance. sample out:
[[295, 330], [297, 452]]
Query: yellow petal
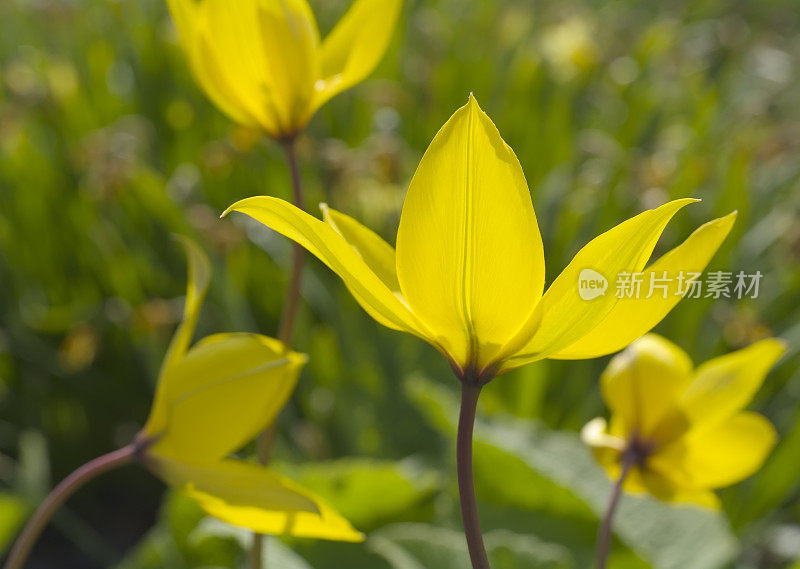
[[632, 317], [377, 253], [719, 454], [255, 60], [226, 390], [726, 384], [665, 489], [355, 46], [198, 278], [231, 485], [641, 384], [288, 39], [469, 253], [326, 244], [563, 317], [251, 496]]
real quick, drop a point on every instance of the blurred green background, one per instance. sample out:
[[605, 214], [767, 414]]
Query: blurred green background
[[107, 147]]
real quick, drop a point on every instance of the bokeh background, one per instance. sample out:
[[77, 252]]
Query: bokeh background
[[107, 147]]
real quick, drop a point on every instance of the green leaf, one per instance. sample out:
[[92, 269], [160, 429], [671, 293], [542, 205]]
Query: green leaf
[[421, 546]]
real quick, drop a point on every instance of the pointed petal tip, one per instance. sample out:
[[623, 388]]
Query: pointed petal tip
[[323, 207]]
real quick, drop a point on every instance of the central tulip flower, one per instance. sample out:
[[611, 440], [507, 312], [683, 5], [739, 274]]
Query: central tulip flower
[[468, 272], [262, 62]]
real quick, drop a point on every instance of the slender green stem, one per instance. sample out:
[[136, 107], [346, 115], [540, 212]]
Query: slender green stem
[[285, 328], [470, 392], [27, 539], [289, 315], [604, 533]]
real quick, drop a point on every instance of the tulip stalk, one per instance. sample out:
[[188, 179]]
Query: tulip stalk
[[286, 325], [629, 458], [44, 513], [470, 392]]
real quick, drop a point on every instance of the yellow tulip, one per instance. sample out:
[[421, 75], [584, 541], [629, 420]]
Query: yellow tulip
[[210, 401], [680, 431], [468, 272], [262, 62]]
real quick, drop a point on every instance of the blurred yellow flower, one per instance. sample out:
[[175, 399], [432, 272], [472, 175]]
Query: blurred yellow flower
[[680, 432], [210, 401], [570, 48], [468, 273], [262, 62]]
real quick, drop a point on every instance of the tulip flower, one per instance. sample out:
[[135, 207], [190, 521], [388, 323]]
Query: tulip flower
[[210, 401], [263, 64], [678, 432], [468, 272]]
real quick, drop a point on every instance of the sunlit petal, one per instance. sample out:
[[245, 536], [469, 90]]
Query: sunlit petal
[[227, 389], [564, 316], [325, 243], [632, 317], [198, 277], [355, 46], [469, 254]]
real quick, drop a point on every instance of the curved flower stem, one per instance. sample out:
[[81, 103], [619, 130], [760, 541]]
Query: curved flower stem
[[604, 534], [27, 539], [466, 483], [285, 327]]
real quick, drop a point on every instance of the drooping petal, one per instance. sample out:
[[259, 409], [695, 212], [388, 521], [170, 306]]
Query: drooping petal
[[198, 278], [726, 384], [232, 486], [355, 46], [377, 253], [720, 454], [469, 253], [227, 389], [252, 496], [632, 317], [326, 244], [642, 383], [563, 316]]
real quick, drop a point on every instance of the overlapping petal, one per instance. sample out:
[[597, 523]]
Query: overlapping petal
[[469, 254], [355, 46], [563, 317], [232, 484], [376, 253], [632, 317], [323, 523], [331, 248]]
